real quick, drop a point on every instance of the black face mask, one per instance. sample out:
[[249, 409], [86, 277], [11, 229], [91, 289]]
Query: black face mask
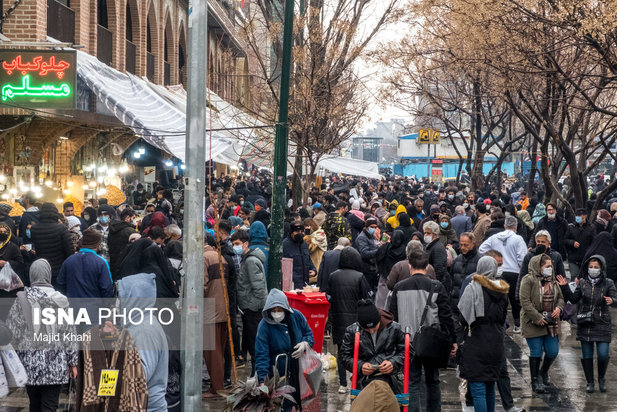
[[4, 237], [307, 231], [436, 217], [541, 249], [298, 237]]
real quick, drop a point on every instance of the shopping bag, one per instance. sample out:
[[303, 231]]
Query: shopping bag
[[9, 280], [15, 372], [310, 374], [4, 385]]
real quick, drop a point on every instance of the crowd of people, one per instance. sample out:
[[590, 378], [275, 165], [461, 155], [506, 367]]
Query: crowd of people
[[391, 257]]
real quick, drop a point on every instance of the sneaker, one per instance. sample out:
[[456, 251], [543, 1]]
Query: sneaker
[[516, 329], [515, 409], [342, 389]]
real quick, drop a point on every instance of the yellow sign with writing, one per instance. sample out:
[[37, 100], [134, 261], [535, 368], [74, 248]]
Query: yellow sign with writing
[[108, 382], [424, 136], [429, 136]]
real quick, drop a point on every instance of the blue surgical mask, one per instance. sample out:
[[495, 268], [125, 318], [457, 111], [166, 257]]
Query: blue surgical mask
[[579, 219], [371, 231], [238, 249], [103, 220], [392, 212], [444, 224], [28, 233]]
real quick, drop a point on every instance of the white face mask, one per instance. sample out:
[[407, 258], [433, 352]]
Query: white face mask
[[500, 272], [277, 316], [551, 215], [428, 239], [547, 272], [594, 272]]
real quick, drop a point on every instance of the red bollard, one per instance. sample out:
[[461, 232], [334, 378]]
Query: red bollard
[[354, 375], [406, 371]]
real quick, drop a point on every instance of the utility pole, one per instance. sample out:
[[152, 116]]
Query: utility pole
[[275, 276], [194, 193]]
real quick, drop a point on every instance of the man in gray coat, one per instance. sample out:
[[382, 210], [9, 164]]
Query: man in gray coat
[[461, 223], [251, 290]]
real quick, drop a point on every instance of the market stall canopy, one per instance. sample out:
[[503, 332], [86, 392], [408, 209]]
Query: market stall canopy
[[136, 105]]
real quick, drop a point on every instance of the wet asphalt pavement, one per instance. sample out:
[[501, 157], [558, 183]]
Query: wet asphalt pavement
[[566, 373]]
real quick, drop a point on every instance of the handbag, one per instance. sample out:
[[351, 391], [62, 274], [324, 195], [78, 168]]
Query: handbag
[[586, 318], [431, 345]]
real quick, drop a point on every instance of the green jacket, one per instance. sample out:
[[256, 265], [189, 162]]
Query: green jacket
[[252, 290], [531, 300]]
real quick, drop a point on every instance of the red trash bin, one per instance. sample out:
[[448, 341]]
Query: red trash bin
[[314, 306]]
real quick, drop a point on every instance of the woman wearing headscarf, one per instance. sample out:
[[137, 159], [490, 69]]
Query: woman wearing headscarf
[[541, 306], [524, 216], [158, 219], [604, 222], [594, 293], [145, 256], [9, 251], [483, 307], [317, 242], [447, 234], [387, 256], [89, 217], [603, 245], [538, 213], [406, 227], [48, 365]]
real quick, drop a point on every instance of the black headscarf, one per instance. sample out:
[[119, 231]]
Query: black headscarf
[[391, 253], [144, 256], [603, 245], [173, 250], [91, 212]]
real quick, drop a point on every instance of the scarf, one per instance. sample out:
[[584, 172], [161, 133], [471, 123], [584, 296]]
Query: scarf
[[8, 239]]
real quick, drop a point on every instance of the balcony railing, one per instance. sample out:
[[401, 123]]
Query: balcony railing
[[131, 57], [150, 66], [60, 22], [104, 44], [167, 76]]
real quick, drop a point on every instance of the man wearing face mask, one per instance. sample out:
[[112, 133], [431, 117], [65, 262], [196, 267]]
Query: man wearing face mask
[[139, 197], [294, 247], [579, 237], [105, 215], [368, 244], [451, 201], [433, 216], [251, 289], [557, 226]]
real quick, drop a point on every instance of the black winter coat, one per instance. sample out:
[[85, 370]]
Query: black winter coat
[[357, 225], [391, 253], [581, 234], [329, 264], [481, 351], [52, 241], [368, 247], [439, 260], [390, 346], [299, 252], [346, 287], [590, 298], [118, 238], [464, 265], [557, 236], [494, 228]]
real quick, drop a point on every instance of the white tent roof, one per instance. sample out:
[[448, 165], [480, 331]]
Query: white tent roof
[[158, 115]]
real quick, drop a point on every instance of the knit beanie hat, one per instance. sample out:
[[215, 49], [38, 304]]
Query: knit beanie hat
[[370, 221], [91, 239], [368, 315], [5, 209]]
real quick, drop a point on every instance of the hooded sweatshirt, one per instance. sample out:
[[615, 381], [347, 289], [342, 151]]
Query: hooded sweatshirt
[[139, 292], [258, 239], [393, 221], [510, 245]]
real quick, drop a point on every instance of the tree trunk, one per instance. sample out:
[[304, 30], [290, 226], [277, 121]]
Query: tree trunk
[[534, 167]]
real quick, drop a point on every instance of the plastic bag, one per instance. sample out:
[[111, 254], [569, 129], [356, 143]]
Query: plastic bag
[[15, 372], [9, 280], [310, 374], [4, 385]]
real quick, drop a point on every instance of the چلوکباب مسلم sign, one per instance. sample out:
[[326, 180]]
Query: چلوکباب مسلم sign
[[38, 78]]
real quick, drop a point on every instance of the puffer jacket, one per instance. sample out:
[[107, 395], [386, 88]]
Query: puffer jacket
[[390, 346], [252, 290], [590, 298], [464, 265], [368, 247], [52, 242], [531, 300], [302, 264], [481, 350], [346, 287]]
